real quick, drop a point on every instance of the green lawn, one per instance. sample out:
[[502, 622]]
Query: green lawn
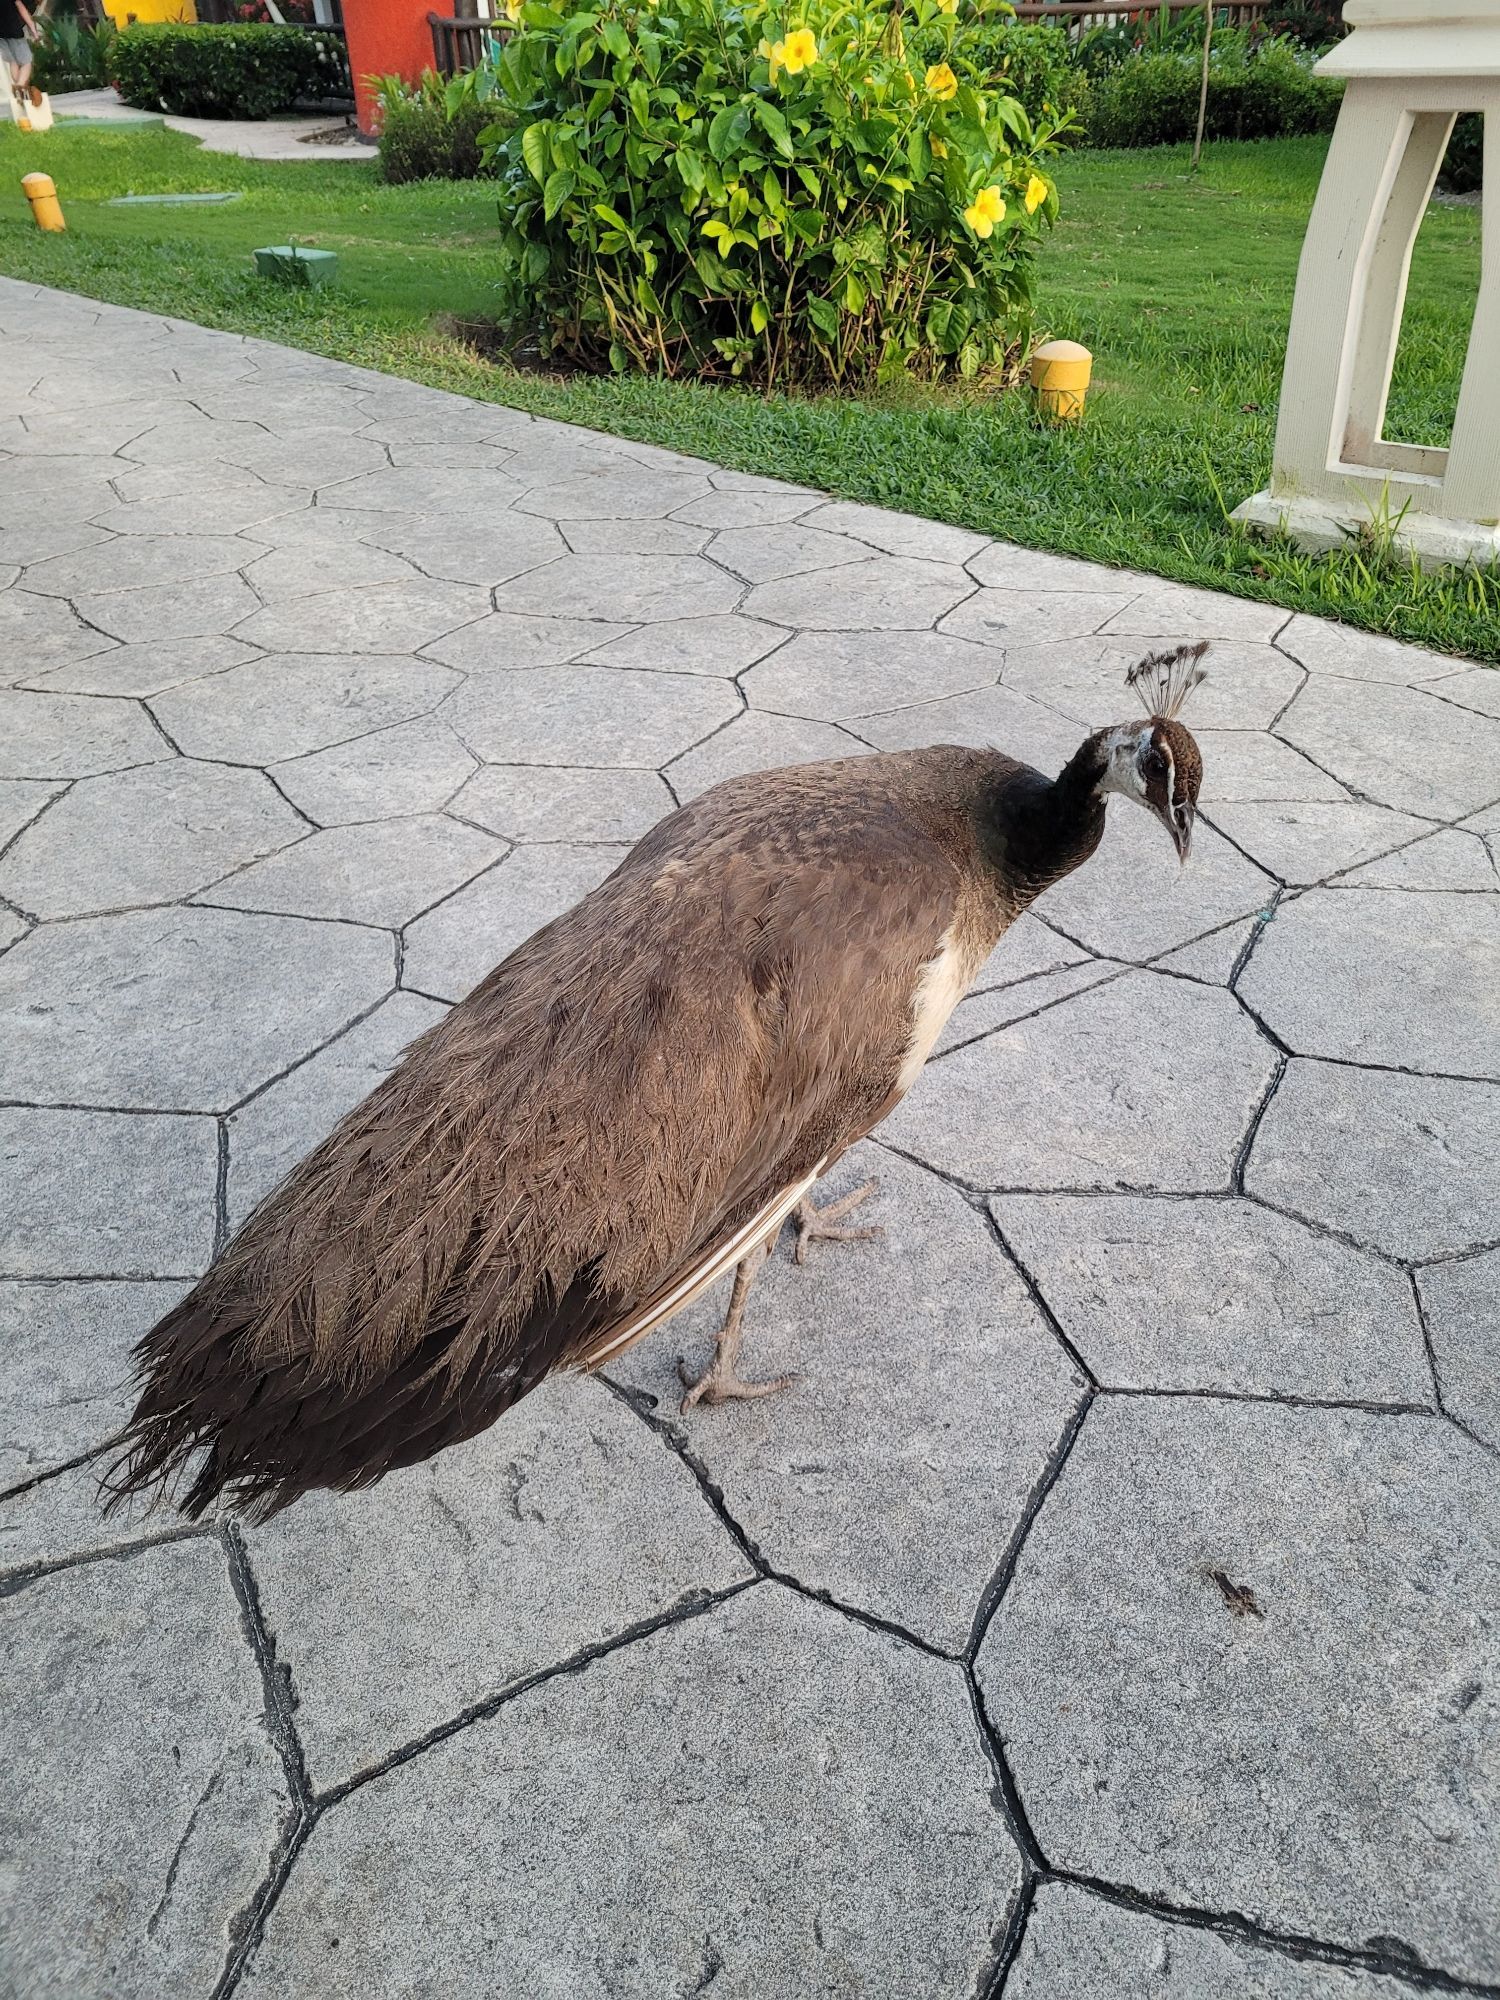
[[1181, 287]]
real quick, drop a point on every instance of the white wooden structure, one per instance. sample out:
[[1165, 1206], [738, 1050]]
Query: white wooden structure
[[1411, 66]]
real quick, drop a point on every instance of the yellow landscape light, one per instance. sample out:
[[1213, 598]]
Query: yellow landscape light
[[1060, 371], [45, 206]]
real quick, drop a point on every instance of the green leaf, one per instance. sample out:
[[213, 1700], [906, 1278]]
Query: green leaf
[[760, 315], [611, 215], [559, 186], [729, 126], [619, 360], [774, 125], [824, 316], [854, 294], [615, 40], [536, 149]]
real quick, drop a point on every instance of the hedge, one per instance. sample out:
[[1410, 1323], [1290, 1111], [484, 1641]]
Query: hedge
[[1152, 100], [422, 139], [243, 70]]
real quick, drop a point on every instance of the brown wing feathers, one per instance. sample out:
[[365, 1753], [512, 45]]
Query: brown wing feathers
[[617, 1098]]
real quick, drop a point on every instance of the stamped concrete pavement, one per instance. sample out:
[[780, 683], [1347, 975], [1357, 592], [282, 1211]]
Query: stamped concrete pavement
[[1111, 1608]]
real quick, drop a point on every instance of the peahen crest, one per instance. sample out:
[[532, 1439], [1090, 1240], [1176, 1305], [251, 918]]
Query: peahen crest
[[1163, 681]]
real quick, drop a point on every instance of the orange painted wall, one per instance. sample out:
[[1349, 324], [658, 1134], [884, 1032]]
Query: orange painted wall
[[386, 38]]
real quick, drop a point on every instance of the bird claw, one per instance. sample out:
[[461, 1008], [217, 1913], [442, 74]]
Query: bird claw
[[821, 1225], [722, 1385]]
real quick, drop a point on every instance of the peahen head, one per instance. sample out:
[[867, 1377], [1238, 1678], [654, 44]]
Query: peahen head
[[1156, 762]]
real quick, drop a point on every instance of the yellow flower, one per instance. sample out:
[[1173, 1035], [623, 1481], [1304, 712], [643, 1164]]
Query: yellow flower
[[939, 149], [1036, 193], [947, 6], [775, 55], [799, 51], [513, 10], [986, 209], [942, 82]]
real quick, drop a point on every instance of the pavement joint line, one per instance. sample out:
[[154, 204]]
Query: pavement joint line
[[24, 1576]]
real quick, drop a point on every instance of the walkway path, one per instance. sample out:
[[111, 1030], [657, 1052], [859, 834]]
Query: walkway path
[[289, 138], [1111, 1610]]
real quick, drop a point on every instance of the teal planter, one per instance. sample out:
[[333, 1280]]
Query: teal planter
[[294, 265]]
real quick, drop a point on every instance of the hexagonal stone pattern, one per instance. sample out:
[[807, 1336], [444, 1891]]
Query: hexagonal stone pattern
[[1405, 981], [927, 1401], [385, 873], [1247, 1662], [1078, 1944], [177, 1010], [149, 835], [1408, 1164], [1167, 1328], [150, 1792], [859, 1788], [1145, 1083], [357, 1589], [1220, 1295]]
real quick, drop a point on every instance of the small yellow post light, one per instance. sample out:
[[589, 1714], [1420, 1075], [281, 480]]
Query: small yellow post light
[[1060, 371], [45, 206]]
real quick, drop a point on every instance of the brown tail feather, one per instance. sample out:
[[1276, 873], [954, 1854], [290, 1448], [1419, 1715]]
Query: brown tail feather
[[272, 1433]]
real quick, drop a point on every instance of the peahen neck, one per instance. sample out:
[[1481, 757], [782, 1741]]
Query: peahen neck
[[1036, 830]]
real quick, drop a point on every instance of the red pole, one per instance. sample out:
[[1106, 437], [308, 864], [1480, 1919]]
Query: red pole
[[386, 38]]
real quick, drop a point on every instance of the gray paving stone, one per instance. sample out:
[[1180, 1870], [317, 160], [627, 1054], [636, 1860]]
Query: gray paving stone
[[1451, 860], [887, 593], [36, 541], [210, 604], [72, 736], [1026, 949], [201, 500], [142, 1817], [929, 1397], [1145, 1083], [454, 946], [146, 669], [39, 633], [1403, 748], [464, 493], [271, 1133], [607, 716], [531, 802], [149, 835], [1461, 1303], [622, 587], [58, 1517], [1220, 1295], [376, 618], [1406, 981], [834, 676], [339, 459], [646, 536], [1326, 648], [187, 438], [1325, 1767], [982, 1013], [1212, 958], [1032, 617], [133, 562], [1247, 686], [1407, 1164], [1175, 610], [990, 718], [1079, 1945], [103, 1194], [723, 645], [290, 703], [397, 1610], [758, 743], [21, 799], [776, 551], [898, 534], [1478, 689], [385, 873], [741, 507], [177, 1010], [1005, 566], [859, 1789], [1134, 899], [615, 491], [1302, 843], [65, 1385], [311, 568], [1246, 765], [412, 767], [507, 640], [487, 551]]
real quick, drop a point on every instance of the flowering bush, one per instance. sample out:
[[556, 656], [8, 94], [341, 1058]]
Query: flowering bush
[[697, 188]]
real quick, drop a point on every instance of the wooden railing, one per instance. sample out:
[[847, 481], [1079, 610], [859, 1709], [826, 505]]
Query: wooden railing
[[1078, 14], [462, 42]]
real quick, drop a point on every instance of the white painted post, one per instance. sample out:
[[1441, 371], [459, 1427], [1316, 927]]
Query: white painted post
[[1411, 67]]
